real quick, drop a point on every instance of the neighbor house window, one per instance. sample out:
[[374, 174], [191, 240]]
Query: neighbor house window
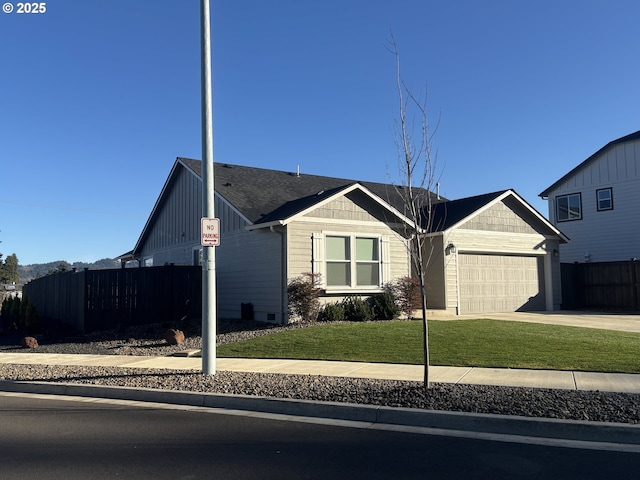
[[569, 207], [148, 262], [352, 261], [605, 199]]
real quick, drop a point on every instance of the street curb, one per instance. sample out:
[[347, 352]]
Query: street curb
[[602, 432]]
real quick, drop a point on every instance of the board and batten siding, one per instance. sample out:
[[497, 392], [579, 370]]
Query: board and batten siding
[[176, 222], [175, 231], [609, 235], [248, 263]]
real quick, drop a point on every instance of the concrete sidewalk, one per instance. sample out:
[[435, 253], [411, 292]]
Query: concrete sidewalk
[[609, 382]]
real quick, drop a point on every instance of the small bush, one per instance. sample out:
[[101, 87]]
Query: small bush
[[407, 293], [331, 312], [5, 313], [384, 306], [15, 310], [303, 293], [357, 310], [6, 307], [31, 317]]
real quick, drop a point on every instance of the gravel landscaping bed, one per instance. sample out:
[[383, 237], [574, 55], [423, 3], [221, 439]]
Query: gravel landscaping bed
[[531, 402]]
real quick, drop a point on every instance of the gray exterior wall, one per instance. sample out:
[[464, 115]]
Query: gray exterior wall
[[609, 235], [499, 218], [253, 266], [435, 258], [498, 230], [353, 214], [247, 262], [176, 228], [248, 270]]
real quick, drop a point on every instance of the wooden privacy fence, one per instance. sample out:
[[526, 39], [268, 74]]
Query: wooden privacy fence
[[606, 285], [92, 300]]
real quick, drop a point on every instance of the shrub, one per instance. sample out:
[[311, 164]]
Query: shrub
[[5, 313], [6, 307], [356, 309], [384, 306], [31, 317], [332, 312], [15, 310], [302, 294], [23, 308], [407, 294]]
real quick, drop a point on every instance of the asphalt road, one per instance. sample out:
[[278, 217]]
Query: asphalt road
[[49, 438]]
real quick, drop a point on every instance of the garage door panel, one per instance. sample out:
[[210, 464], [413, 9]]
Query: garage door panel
[[500, 283]]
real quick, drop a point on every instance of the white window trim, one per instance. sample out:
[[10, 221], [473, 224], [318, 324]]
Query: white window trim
[[319, 262]]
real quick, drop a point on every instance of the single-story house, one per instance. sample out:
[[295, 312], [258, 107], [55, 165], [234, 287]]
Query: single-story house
[[596, 204], [277, 225]]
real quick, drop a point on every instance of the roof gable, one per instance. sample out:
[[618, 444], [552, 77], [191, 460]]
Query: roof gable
[[627, 138], [454, 213], [445, 215]]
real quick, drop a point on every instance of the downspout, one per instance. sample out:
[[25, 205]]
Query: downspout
[[284, 317], [548, 277], [458, 309]]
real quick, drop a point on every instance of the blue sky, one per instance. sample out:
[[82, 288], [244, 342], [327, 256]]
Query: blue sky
[[97, 99]]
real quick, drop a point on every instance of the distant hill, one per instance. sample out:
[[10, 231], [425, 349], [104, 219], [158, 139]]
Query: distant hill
[[37, 270]]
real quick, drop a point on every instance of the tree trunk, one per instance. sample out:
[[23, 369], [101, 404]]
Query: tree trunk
[[425, 335]]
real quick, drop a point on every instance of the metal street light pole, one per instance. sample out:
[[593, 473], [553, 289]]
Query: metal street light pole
[[209, 255]]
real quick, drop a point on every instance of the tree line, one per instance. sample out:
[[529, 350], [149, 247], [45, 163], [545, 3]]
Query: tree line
[[9, 270]]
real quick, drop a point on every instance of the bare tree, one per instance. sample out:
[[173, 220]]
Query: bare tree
[[417, 170]]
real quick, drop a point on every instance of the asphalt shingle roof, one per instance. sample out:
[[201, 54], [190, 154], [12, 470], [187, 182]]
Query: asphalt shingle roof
[[264, 195]]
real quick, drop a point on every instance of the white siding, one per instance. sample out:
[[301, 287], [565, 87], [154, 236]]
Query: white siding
[[609, 235]]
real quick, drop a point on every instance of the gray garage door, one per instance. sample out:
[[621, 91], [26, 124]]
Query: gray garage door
[[500, 283]]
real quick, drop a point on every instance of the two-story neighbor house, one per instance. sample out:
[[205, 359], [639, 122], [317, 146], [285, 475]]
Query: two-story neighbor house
[[596, 204], [488, 253]]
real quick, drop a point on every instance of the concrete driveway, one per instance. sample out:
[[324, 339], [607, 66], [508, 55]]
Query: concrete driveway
[[604, 321]]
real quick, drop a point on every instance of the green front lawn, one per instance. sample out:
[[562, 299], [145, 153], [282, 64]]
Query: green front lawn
[[477, 343]]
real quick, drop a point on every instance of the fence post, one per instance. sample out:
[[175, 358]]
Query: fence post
[[634, 284]]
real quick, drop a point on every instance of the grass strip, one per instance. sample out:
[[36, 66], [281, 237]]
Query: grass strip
[[472, 343]]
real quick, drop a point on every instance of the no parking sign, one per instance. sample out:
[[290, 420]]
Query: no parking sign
[[210, 232]]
